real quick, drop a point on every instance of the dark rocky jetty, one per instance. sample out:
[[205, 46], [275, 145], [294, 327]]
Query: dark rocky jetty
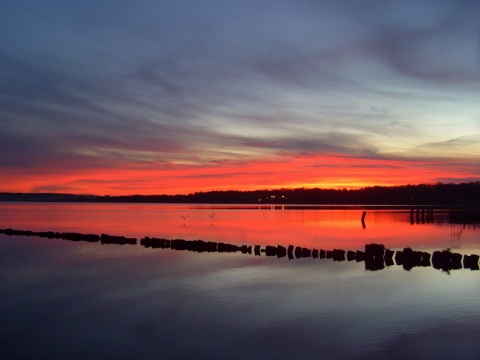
[[306, 253], [199, 246], [73, 236], [350, 255], [470, 262], [117, 240], [157, 243], [360, 256], [282, 251], [278, 251], [338, 255], [409, 258], [446, 260], [375, 256], [388, 257]]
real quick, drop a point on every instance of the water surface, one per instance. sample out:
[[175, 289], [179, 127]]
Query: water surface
[[61, 298]]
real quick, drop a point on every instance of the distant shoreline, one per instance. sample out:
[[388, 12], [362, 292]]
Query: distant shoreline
[[464, 195], [264, 206]]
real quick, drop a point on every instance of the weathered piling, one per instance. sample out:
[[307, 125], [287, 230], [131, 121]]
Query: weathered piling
[[350, 255], [388, 257], [306, 252], [363, 219], [471, 262], [271, 250], [421, 214], [117, 240], [376, 257], [359, 256], [229, 248], [290, 252], [446, 260], [338, 255]]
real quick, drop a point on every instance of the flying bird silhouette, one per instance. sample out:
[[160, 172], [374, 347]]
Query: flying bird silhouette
[[184, 216], [211, 215]]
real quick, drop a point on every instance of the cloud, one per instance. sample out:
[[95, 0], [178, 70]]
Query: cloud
[[465, 147], [156, 84], [444, 50]]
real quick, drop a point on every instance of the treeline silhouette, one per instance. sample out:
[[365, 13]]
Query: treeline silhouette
[[375, 256], [464, 194]]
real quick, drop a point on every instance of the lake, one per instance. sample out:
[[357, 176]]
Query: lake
[[79, 299]]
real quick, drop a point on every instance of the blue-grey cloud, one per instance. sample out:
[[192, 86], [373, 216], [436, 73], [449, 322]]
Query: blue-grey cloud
[[85, 84]]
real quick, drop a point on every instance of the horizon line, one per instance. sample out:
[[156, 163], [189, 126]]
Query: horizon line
[[339, 188]]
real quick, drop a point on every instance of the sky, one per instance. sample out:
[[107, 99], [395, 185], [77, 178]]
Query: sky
[[173, 97]]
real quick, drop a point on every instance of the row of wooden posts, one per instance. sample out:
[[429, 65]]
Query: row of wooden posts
[[421, 214], [375, 256], [417, 214]]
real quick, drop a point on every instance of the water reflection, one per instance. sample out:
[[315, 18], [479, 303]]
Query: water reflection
[[421, 215], [375, 256], [305, 227], [81, 297]]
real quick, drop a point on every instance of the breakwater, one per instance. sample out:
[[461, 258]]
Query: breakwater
[[374, 256]]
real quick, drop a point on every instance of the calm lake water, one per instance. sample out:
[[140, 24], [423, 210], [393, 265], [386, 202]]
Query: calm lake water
[[74, 299]]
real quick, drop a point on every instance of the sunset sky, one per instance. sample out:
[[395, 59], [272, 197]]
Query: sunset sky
[[162, 97]]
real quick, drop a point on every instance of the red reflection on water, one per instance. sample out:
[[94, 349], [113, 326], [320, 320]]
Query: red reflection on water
[[326, 229]]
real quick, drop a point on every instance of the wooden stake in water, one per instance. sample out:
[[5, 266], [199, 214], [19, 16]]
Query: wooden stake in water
[[363, 219]]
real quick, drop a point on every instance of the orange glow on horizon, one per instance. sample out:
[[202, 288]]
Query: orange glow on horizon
[[324, 171]]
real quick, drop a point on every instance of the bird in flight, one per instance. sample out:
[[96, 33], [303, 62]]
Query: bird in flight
[[211, 215], [183, 216]]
